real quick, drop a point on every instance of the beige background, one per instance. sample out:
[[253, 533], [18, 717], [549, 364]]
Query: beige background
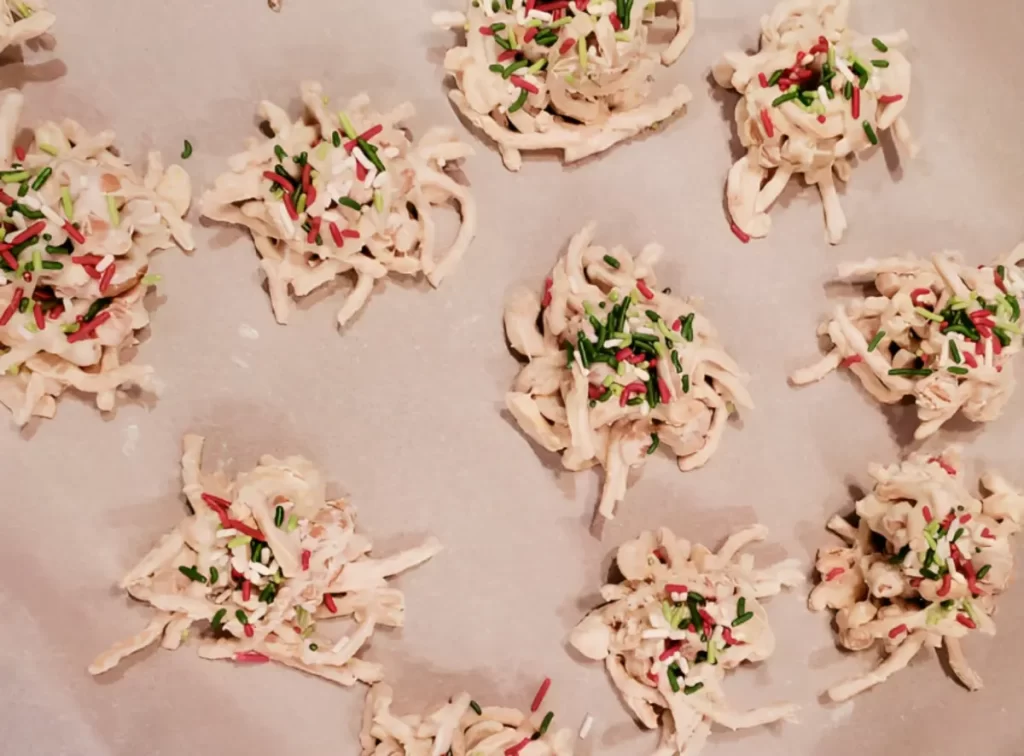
[[404, 409]]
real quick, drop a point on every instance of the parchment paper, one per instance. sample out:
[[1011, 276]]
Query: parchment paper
[[404, 410]]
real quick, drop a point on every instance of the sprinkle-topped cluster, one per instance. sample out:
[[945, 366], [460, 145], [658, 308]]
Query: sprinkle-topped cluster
[[75, 237], [574, 76], [618, 367], [21, 20], [941, 331], [343, 192], [946, 556], [682, 617], [815, 94], [267, 560]]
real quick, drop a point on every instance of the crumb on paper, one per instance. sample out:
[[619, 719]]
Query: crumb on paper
[[275, 5], [131, 439], [246, 331], [240, 362]]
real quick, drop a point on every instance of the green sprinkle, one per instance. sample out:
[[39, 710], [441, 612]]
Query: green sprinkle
[[115, 216], [241, 617], [13, 177], [879, 44], [954, 351], [688, 327], [239, 540], [520, 101], [1014, 307], [37, 260], [96, 307], [673, 680], [371, 153], [691, 689], [560, 22], [956, 536], [928, 314], [857, 67], [350, 203], [741, 606], [848, 90], [313, 647], [513, 67], [863, 82], [790, 95], [743, 618], [42, 178], [218, 618], [346, 125], [898, 557], [214, 575], [65, 201], [378, 200], [300, 206], [911, 372], [1003, 336], [293, 522], [875, 341], [279, 516], [675, 361], [544, 725], [880, 63], [655, 442], [983, 571], [613, 262], [52, 265], [192, 574], [538, 65], [497, 27], [49, 149], [581, 50], [874, 140], [635, 401], [930, 574], [279, 151], [686, 384], [476, 708], [957, 370], [268, 593], [150, 279], [774, 78], [496, 68], [186, 153]]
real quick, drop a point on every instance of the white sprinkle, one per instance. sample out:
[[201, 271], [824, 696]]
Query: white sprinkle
[[105, 263], [611, 343], [3, 279], [654, 633], [31, 202], [807, 59], [265, 556], [259, 569], [227, 533], [579, 361], [284, 221], [246, 331], [340, 644], [362, 160], [540, 15], [645, 409], [822, 94], [380, 180], [679, 597], [846, 72], [643, 375], [648, 331], [370, 178], [588, 722], [390, 152], [51, 215]]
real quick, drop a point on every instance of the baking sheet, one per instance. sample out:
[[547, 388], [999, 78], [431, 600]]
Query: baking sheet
[[404, 411]]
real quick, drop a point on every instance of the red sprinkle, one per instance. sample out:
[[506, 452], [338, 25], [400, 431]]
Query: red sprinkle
[[314, 229], [742, 235], [349, 233], [514, 750], [652, 677], [635, 386], [361, 171], [641, 284], [594, 392], [86, 259], [541, 692], [897, 630], [252, 657], [950, 470], [93, 273], [972, 578], [74, 233], [546, 300], [216, 500], [998, 280], [108, 276], [530, 33], [927, 513], [669, 650], [522, 83], [292, 213], [329, 603], [12, 263], [246, 590], [20, 153], [306, 554], [997, 346], [887, 99], [728, 637], [28, 233], [663, 391], [822, 119], [766, 121], [661, 554], [219, 506], [566, 46], [339, 240], [947, 582], [965, 519], [509, 54], [709, 621], [678, 324], [617, 25], [834, 573], [966, 621], [487, 31], [280, 180], [623, 355], [37, 312], [13, 306], [916, 293], [366, 136], [249, 631], [241, 527], [969, 359], [676, 588], [916, 582], [784, 84], [86, 329], [986, 533], [851, 360], [856, 102], [948, 520], [763, 79], [56, 312]]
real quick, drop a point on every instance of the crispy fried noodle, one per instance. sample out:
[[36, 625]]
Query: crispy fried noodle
[[942, 332], [570, 76], [617, 367], [945, 559], [814, 95], [344, 192], [22, 21], [461, 727], [74, 255], [679, 620], [267, 559]]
